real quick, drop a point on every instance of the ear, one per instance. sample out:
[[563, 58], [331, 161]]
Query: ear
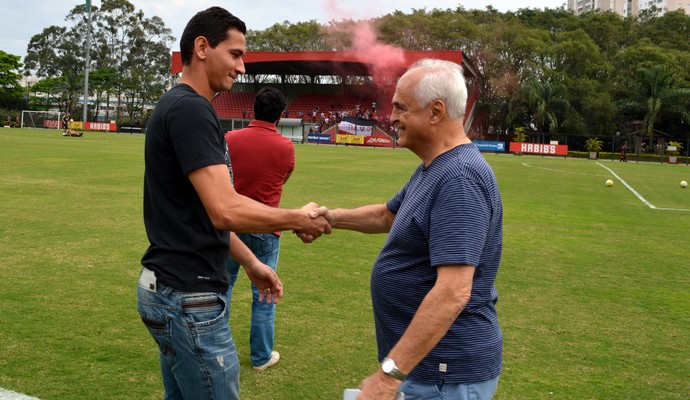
[[201, 46], [438, 111]]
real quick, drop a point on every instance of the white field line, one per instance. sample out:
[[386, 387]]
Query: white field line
[[10, 395], [639, 196], [560, 170]]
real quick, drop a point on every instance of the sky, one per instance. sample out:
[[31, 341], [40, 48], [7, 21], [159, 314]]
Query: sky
[[23, 19]]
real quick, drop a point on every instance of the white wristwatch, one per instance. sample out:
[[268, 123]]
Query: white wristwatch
[[389, 368]]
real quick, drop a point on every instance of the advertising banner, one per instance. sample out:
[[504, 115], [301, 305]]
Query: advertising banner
[[318, 138], [100, 126], [349, 139], [538, 148], [378, 141], [490, 146]]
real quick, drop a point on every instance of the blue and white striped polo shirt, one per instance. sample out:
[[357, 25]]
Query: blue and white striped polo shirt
[[448, 213]]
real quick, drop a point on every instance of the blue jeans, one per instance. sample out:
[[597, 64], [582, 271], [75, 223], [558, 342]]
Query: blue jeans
[[266, 247], [456, 391], [198, 357]]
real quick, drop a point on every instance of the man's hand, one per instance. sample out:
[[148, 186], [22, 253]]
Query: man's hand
[[266, 280], [379, 387], [320, 220]]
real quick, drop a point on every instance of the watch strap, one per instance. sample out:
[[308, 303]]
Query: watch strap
[[392, 370]]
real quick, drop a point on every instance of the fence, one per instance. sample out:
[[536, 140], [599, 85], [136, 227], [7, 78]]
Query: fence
[[638, 148]]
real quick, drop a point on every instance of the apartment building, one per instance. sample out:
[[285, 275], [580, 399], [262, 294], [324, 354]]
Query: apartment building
[[627, 8]]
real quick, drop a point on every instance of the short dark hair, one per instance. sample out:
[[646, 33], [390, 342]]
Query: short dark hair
[[213, 24], [269, 104]]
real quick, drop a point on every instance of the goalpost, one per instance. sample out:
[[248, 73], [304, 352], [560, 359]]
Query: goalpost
[[41, 119]]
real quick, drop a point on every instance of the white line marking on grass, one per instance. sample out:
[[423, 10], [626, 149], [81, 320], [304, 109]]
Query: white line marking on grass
[[10, 395], [639, 196], [560, 170]]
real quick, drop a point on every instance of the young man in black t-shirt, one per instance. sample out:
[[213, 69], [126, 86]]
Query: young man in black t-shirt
[[189, 207]]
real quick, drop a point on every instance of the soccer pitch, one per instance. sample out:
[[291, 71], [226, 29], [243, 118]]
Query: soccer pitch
[[594, 286]]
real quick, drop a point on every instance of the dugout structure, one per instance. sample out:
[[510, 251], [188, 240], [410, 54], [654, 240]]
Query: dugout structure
[[329, 77]]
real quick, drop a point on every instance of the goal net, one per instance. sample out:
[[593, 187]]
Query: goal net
[[41, 119]]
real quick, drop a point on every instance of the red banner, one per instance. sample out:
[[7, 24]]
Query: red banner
[[378, 141], [538, 148], [100, 126]]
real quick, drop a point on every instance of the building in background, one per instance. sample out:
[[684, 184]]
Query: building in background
[[627, 8]]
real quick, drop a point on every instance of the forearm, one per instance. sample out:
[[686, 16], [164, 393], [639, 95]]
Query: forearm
[[373, 218], [244, 215], [231, 211], [434, 317], [240, 252]]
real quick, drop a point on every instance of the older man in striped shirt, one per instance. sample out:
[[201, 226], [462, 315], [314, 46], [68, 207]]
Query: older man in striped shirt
[[432, 285]]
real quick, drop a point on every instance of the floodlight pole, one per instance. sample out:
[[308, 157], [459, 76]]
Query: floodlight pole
[[88, 61]]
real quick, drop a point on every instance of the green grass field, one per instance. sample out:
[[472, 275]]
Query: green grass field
[[594, 285]]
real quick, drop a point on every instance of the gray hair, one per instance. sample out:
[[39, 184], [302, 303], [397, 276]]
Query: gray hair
[[442, 80]]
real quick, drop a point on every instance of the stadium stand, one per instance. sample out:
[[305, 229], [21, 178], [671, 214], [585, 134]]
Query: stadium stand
[[234, 105], [364, 85]]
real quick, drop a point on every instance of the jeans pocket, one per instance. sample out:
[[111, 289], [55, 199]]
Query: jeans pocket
[[160, 329], [203, 309], [153, 325]]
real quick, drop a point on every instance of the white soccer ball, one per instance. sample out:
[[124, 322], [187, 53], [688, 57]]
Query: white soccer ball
[[609, 182], [683, 184]]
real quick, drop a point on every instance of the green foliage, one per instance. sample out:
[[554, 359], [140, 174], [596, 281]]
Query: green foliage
[[594, 144], [583, 68], [520, 134], [68, 280], [11, 93], [656, 96], [122, 39], [302, 36], [677, 145]]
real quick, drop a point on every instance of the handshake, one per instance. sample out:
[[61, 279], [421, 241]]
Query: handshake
[[318, 221]]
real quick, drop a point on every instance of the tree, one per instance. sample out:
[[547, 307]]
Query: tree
[[539, 106], [657, 95], [122, 38], [302, 36], [48, 93], [102, 82], [47, 53], [11, 93]]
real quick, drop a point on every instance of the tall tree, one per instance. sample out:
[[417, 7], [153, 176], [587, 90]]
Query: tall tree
[[657, 95], [122, 38], [540, 106], [11, 93]]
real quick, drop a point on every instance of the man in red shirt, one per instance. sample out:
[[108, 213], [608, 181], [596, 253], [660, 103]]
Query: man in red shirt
[[262, 161]]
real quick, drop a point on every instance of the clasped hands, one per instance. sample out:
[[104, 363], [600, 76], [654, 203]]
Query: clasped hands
[[319, 222]]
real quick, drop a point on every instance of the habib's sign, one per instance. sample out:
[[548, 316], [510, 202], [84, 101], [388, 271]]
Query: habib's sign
[[539, 148]]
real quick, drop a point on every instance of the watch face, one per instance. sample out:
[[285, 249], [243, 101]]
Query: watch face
[[388, 365]]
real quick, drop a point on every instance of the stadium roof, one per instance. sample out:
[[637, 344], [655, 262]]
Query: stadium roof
[[343, 63]]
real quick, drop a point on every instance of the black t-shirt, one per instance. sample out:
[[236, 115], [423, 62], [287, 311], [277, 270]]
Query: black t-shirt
[[186, 252]]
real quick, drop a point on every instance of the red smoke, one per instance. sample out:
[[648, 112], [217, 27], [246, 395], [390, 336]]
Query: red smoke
[[384, 60]]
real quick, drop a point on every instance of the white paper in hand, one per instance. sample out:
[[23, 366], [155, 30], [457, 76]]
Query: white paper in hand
[[351, 394]]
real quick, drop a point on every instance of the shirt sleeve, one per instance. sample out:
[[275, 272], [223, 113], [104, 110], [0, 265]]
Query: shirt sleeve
[[458, 223], [194, 134]]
